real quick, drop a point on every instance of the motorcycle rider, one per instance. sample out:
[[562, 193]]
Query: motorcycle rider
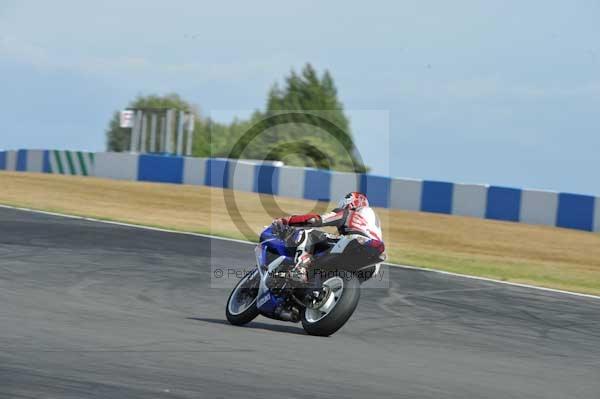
[[360, 240]]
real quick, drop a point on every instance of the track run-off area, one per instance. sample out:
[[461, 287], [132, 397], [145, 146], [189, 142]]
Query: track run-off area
[[94, 310]]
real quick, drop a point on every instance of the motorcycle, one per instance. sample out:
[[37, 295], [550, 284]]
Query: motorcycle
[[323, 305]]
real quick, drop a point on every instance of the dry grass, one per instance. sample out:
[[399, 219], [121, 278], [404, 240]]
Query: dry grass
[[551, 257]]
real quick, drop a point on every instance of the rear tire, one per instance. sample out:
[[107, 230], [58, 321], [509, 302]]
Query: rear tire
[[335, 318], [240, 316]]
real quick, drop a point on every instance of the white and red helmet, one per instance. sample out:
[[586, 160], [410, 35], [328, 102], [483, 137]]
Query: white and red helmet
[[353, 200]]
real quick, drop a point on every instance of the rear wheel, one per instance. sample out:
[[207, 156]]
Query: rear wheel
[[241, 306], [331, 313]]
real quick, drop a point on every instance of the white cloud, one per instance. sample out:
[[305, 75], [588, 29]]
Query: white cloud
[[41, 57], [233, 70]]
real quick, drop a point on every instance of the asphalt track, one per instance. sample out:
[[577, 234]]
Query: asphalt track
[[93, 310]]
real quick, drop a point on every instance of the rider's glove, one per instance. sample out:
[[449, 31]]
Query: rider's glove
[[279, 225]]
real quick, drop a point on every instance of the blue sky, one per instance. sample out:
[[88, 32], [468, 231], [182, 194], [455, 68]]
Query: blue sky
[[486, 92]]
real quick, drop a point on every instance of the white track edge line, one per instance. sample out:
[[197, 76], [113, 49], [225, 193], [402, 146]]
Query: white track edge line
[[139, 226], [425, 269]]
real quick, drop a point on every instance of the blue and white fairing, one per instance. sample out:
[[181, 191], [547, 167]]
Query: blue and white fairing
[[270, 254]]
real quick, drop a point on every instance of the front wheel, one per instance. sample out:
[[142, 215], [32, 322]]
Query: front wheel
[[241, 306], [335, 310]]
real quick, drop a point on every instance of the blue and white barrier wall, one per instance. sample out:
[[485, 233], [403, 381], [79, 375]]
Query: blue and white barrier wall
[[550, 208], [48, 161], [482, 201]]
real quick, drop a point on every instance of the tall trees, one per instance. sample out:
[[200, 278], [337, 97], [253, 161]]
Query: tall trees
[[304, 124]]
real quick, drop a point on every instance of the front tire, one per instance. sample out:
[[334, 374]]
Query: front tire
[[241, 306], [335, 310]]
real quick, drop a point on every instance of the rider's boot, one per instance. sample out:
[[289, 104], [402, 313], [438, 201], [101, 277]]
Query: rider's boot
[[300, 271]]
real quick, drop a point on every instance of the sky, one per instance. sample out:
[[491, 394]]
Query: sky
[[504, 93]]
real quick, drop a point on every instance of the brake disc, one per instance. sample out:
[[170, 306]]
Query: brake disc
[[316, 303]]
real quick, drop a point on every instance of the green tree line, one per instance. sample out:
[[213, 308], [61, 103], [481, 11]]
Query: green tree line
[[304, 124]]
